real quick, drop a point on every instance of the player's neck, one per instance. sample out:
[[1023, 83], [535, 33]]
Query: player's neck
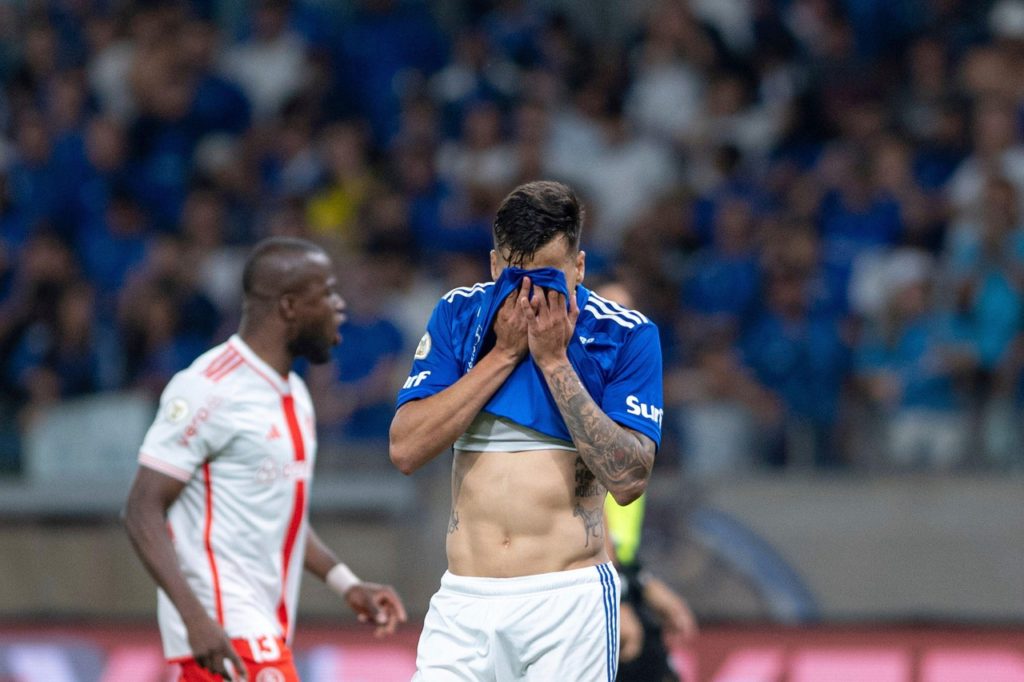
[[269, 347]]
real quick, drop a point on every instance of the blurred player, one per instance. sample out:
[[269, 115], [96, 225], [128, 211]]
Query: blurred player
[[649, 608], [217, 511], [551, 396]]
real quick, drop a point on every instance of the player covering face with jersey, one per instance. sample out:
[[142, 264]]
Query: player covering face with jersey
[[550, 396]]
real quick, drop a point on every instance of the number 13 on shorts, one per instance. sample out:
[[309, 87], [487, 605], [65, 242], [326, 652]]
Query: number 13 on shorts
[[264, 649]]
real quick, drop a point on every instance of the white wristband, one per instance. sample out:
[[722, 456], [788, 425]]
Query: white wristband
[[341, 579]]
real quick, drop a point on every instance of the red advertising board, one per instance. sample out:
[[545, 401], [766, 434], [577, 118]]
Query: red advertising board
[[721, 654]]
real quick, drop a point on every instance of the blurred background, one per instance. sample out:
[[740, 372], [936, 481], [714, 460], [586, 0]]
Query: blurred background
[[818, 201]]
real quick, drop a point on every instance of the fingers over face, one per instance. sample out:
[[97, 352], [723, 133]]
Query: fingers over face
[[524, 286], [525, 304]]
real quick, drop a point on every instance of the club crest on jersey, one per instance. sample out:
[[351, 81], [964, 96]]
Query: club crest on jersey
[[634, 406], [177, 410], [423, 349], [270, 675]]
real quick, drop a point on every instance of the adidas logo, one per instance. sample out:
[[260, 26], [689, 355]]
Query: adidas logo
[[273, 434]]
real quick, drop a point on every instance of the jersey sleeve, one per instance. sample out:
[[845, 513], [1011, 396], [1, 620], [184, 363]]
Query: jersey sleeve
[[191, 426], [633, 396], [435, 365]]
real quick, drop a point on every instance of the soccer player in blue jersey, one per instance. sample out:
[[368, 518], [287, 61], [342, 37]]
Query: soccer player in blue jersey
[[551, 395]]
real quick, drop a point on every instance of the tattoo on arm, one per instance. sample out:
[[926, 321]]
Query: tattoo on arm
[[619, 458], [453, 519]]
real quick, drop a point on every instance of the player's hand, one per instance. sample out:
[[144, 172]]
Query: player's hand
[[510, 325], [377, 604], [212, 650], [631, 634], [676, 616], [550, 327]]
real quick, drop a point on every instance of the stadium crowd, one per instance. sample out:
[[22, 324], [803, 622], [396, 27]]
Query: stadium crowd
[[819, 201]]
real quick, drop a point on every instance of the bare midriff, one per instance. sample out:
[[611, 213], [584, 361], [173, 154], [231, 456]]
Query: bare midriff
[[523, 513]]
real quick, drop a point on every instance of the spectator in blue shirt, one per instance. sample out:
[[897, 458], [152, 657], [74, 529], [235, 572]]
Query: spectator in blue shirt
[[218, 105], [90, 172], [31, 178], [855, 218], [110, 249], [386, 41], [724, 279], [802, 359], [354, 392], [986, 268], [911, 364]]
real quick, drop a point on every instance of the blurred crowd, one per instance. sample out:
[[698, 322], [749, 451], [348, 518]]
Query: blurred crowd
[[818, 201]]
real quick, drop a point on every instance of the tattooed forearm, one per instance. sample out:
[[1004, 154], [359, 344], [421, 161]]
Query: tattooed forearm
[[592, 520], [620, 459]]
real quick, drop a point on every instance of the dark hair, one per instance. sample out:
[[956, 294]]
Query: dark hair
[[270, 248], [532, 215]]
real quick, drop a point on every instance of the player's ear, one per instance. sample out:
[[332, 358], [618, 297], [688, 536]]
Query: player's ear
[[581, 265], [495, 266], [286, 307]]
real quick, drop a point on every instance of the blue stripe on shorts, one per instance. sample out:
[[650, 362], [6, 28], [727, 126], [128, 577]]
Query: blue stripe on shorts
[[607, 594]]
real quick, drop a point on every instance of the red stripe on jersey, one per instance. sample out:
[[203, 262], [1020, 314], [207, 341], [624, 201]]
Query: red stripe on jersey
[[298, 509], [209, 545], [258, 371], [226, 370], [220, 358], [220, 361]]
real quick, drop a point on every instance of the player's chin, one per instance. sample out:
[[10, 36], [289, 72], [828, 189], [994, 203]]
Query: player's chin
[[316, 350], [321, 353]]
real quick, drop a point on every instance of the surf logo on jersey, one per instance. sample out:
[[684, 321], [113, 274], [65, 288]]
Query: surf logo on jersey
[[423, 349], [177, 410], [634, 406], [416, 379]]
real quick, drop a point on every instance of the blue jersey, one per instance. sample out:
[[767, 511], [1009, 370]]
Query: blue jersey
[[615, 351]]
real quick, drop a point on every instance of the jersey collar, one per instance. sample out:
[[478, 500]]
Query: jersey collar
[[282, 385], [582, 296]]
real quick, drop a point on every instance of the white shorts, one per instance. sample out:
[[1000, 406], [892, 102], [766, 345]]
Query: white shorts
[[560, 627]]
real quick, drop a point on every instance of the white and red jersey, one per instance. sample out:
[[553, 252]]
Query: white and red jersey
[[243, 439]]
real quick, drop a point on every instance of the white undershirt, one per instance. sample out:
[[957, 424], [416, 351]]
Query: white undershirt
[[488, 433]]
